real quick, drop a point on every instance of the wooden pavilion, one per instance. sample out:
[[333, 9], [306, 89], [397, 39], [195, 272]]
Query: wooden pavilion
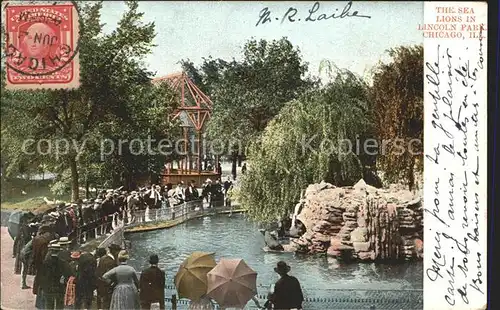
[[193, 112]]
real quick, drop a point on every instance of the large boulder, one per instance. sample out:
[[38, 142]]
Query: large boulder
[[361, 222]]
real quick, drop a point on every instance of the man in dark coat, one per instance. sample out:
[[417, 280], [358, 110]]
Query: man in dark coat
[[227, 186], [85, 280], [287, 291], [40, 248], [206, 192], [99, 254], [108, 208], [106, 263], [152, 285], [53, 272]]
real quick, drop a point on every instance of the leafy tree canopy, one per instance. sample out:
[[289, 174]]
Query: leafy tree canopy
[[116, 100], [247, 94], [397, 97]]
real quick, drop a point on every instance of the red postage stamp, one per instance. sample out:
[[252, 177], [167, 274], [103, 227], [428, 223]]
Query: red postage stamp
[[42, 46]]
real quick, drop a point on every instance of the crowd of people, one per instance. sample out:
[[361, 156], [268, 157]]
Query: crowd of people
[[74, 280], [65, 279], [90, 218]]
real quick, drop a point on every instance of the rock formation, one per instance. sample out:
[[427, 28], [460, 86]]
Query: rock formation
[[361, 222]]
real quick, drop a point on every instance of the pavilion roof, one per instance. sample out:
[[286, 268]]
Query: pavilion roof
[[194, 104], [191, 96]]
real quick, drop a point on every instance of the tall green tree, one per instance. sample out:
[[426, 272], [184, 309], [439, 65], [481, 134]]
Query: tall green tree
[[247, 94], [397, 96], [304, 144], [115, 88]]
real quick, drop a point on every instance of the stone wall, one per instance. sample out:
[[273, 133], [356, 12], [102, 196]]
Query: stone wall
[[361, 222]]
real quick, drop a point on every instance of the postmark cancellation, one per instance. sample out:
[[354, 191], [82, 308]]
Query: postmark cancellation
[[41, 50]]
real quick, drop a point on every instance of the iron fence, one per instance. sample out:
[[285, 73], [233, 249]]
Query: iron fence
[[320, 299], [185, 211], [113, 226], [314, 299]]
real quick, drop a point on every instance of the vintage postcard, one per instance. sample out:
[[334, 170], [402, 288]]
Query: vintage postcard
[[244, 155]]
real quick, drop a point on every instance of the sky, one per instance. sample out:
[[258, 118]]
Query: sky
[[192, 30]]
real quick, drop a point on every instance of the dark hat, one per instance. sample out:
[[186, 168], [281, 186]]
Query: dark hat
[[100, 252], [44, 229], [47, 218], [153, 259], [114, 247], [282, 268]]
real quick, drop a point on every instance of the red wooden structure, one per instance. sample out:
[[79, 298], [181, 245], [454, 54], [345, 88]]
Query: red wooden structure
[[193, 112]]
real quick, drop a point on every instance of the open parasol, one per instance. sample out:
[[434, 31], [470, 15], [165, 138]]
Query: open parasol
[[232, 283], [191, 279]]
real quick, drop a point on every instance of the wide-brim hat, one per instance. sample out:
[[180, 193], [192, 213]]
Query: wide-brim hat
[[44, 228], [55, 246], [47, 218], [64, 241], [114, 247], [282, 267]]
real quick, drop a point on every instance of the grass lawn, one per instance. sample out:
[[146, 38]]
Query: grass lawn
[[14, 199]]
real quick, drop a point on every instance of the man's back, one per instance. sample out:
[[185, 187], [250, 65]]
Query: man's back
[[227, 185], [287, 293], [106, 263], [40, 248], [152, 284], [53, 269]]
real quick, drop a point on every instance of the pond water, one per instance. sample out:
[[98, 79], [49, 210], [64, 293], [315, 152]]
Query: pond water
[[236, 237]]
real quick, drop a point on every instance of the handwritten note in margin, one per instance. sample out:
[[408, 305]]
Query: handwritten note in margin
[[455, 147]]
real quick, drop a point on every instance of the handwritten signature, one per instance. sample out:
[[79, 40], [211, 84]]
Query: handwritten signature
[[292, 15]]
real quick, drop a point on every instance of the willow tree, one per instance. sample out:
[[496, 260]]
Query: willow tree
[[248, 93], [306, 143], [397, 96]]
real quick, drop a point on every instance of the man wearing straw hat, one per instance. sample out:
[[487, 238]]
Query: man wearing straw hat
[[54, 270], [65, 253], [287, 291]]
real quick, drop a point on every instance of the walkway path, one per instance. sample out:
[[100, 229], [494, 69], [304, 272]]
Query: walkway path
[[12, 296]]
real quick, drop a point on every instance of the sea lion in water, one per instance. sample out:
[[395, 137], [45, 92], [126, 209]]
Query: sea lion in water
[[272, 242]]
